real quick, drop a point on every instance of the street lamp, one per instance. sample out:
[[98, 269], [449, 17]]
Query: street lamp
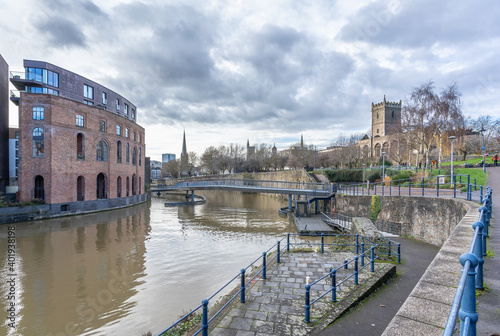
[[451, 139], [482, 130], [383, 167], [314, 158], [364, 165]]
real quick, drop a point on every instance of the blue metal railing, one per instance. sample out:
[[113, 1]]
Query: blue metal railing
[[464, 303], [435, 186], [358, 242]]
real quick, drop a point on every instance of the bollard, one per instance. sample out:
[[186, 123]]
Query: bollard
[[475, 184], [307, 305], [322, 243], [468, 304], [288, 242], [399, 253], [204, 323], [478, 252], [346, 264], [242, 296], [362, 254], [278, 253], [334, 284], [372, 259], [357, 243], [264, 266], [356, 270]]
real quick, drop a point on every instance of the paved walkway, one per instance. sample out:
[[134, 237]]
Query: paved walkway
[[275, 306], [489, 302], [313, 224]]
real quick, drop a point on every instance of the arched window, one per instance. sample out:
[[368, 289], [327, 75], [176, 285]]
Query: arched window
[[127, 153], [102, 151], [80, 188], [119, 152], [119, 187], [101, 186], [39, 191], [127, 185], [140, 156], [393, 114], [134, 156], [134, 184], [140, 190], [38, 143], [80, 146]]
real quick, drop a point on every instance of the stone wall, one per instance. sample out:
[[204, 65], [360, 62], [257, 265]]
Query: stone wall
[[429, 219]]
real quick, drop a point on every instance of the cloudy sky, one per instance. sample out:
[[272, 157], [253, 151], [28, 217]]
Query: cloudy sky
[[265, 70]]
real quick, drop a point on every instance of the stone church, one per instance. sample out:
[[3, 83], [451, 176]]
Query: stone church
[[385, 130]]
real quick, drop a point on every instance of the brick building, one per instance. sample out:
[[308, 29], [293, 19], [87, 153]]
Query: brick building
[[78, 140]]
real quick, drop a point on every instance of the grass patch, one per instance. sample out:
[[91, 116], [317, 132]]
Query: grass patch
[[471, 161]]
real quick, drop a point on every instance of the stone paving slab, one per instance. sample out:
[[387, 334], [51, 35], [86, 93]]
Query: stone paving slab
[[275, 306]]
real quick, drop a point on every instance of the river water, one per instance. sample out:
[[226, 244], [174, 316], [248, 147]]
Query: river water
[[129, 271]]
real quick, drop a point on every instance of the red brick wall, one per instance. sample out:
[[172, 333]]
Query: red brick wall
[[60, 167]]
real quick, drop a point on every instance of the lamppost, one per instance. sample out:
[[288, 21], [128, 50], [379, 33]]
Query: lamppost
[[364, 164], [314, 158], [482, 130], [451, 140], [383, 167]]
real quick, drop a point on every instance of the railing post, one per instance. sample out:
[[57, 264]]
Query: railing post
[[346, 264], [454, 178], [468, 305], [357, 243], [475, 184], [390, 187], [423, 181], [288, 242], [372, 259], [374, 188], [399, 188], [264, 266], [334, 284], [437, 186], [478, 252], [307, 305], [409, 187], [389, 249], [322, 243], [356, 270], [204, 323], [242, 296], [362, 254], [481, 194], [399, 253], [278, 253]]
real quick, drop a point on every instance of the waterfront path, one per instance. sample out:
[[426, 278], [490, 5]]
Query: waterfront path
[[488, 303], [372, 316], [275, 306]]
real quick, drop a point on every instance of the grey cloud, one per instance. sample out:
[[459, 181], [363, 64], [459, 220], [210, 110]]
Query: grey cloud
[[61, 32]]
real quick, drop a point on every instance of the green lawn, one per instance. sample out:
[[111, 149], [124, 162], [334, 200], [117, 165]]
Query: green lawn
[[471, 161], [475, 173]]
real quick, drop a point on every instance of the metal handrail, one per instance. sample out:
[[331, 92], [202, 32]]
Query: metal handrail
[[472, 275]]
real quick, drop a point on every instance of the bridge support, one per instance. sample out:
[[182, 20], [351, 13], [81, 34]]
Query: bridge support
[[289, 203], [192, 196]]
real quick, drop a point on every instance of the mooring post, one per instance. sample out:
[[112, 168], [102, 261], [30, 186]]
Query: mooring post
[[356, 270], [242, 296], [278, 253], [372, 259], [362, 254], [204, 323], [468, 305], [264, 266]]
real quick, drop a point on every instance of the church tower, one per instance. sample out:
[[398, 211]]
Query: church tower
[[386, 118], [184, 156]]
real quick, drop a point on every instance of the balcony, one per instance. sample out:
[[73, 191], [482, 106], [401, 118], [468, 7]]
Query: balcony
[[18, 79], [15, 97]]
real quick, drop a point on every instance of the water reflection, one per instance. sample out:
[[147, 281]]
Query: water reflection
[[136, 269]]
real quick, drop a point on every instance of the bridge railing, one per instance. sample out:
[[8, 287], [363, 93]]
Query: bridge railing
[[464, 303], [437, 186], [356, 243], [250, 183]]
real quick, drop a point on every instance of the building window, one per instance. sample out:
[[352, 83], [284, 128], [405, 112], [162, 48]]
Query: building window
[[104, 98], [88, 91], [118, 130], [88, 102], [134, 184], [80, 189], [134, 135], [79, 120], [102, 126], [377, 130], [140, 156], [119, 152], [101, 186], [140, 138], [393, 114], [38, 113], [117, 104], [127, 153], [126, 132], [80, 146], [102, 151], [38, 148], [133, 114], [127, 185], [43, 76], [134, 156], [126, 109], [39, 192], [119, 187]]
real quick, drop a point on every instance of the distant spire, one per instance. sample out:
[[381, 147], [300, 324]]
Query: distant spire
[[184, 147], [301, 140], [248, 143], [384, 99]]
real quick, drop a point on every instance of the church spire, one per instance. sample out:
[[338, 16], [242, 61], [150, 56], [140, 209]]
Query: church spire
[[301, 140], [184, 147]]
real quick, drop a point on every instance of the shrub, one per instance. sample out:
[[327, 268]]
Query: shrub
[[344, 175], [374, 208], [402, 175], [375, 174]]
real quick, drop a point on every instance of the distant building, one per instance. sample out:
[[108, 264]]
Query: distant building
[[386, 125], [167, 157], [184, 157], [250, 151], [13, 155], [4, 125], [78, 140], [155, 169]]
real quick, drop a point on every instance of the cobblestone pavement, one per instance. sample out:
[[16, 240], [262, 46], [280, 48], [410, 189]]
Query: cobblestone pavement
[[275, 306]]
